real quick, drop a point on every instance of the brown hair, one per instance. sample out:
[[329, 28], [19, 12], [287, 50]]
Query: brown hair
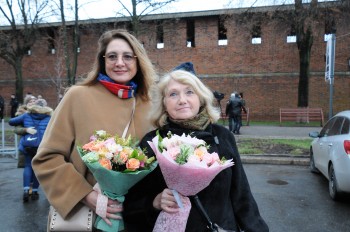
[[145, 75]]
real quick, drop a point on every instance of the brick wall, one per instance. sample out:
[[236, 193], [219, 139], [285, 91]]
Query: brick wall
[[266, 73]]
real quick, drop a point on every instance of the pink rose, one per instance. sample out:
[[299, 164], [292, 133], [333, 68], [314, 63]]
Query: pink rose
[[209, 159], [173, 152]]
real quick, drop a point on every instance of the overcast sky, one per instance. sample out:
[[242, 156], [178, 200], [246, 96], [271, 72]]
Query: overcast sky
[[108, 8]]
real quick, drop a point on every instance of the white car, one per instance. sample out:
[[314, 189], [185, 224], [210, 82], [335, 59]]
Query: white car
[[330, 153]]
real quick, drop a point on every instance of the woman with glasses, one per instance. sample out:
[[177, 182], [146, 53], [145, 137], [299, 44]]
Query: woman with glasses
[[114, 97]]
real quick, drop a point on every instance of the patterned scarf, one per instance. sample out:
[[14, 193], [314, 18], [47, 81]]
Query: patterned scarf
[[198, 122], [122, 91]]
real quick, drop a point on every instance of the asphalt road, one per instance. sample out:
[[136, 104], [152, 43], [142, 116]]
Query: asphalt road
[[290, 198], [14, 215]]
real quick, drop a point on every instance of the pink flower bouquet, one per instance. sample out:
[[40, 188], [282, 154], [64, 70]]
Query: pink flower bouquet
[[117, 164], [187, 168]]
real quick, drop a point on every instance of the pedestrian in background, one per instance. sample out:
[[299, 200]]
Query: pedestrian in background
[[35, 120], [29, 94], [234, 110], [114, 97], [2, 107], [241, 97], [14, 105], [20, 130]]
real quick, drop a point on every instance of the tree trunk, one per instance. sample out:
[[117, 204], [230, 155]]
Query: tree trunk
[[75, 44], [304, 58], [65, 45], [134, 19], [303, 87], [19, 80]]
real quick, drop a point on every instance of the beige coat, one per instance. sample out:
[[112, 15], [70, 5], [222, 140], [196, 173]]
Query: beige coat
[[84, 109]]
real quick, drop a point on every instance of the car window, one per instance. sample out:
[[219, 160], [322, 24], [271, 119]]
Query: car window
[[335, 129], [345, 127], [325, 130]]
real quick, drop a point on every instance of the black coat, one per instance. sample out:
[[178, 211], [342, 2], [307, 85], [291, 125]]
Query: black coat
[[228, 199], [234, 107]]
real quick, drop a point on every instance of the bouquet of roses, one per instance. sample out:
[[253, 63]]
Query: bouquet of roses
[[117, 164], [187, 168]]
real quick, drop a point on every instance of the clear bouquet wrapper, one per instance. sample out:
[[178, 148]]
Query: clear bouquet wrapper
[[187, 168]]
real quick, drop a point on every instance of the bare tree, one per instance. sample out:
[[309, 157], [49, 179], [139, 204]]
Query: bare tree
[[141, 8], [58, 78], [70, 64], [303, 18], [17, 40]]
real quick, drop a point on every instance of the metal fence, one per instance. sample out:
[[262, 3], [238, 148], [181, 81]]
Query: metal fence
[[8, 148]]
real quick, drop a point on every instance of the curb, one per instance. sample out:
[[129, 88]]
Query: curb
[[275, 159]]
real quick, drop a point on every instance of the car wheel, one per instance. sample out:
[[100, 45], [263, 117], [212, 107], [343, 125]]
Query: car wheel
[[313, 168], [332, 184]]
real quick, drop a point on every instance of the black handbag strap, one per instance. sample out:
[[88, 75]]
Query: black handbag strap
[[204, 213]]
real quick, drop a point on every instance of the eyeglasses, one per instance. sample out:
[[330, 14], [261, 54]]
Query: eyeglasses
[[128, 58]]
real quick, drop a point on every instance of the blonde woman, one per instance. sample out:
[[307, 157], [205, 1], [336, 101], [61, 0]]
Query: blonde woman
[[183, 104]]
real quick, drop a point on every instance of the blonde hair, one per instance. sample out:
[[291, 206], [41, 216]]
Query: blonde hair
[[145, 75], [206, 96]]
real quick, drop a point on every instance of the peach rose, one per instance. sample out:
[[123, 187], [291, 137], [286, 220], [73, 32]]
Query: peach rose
[[93, 146], [200, 151], [89, 146], [98, 146], [133, 164], [124, 155], [106, 163]]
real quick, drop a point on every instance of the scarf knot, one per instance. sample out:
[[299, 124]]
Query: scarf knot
[[199, 122], [122, 91]]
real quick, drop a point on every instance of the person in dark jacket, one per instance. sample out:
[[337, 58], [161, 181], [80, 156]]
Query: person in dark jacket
[[183, 104], [36, 119], [234, 109], [2, 107], [14, 105]]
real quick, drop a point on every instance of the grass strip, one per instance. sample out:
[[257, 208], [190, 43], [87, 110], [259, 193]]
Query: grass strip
[[248, 146]]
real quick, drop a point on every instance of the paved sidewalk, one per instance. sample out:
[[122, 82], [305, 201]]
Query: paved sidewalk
[[276, 132]]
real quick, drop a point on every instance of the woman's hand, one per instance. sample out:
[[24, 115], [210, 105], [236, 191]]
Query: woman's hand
[[31, 130], [113, 206], [166, 201]]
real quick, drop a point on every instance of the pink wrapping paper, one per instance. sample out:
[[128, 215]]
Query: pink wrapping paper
[[173, 222], [187, 179]]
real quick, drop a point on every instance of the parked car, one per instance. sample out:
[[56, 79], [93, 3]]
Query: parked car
[[330, 153]]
